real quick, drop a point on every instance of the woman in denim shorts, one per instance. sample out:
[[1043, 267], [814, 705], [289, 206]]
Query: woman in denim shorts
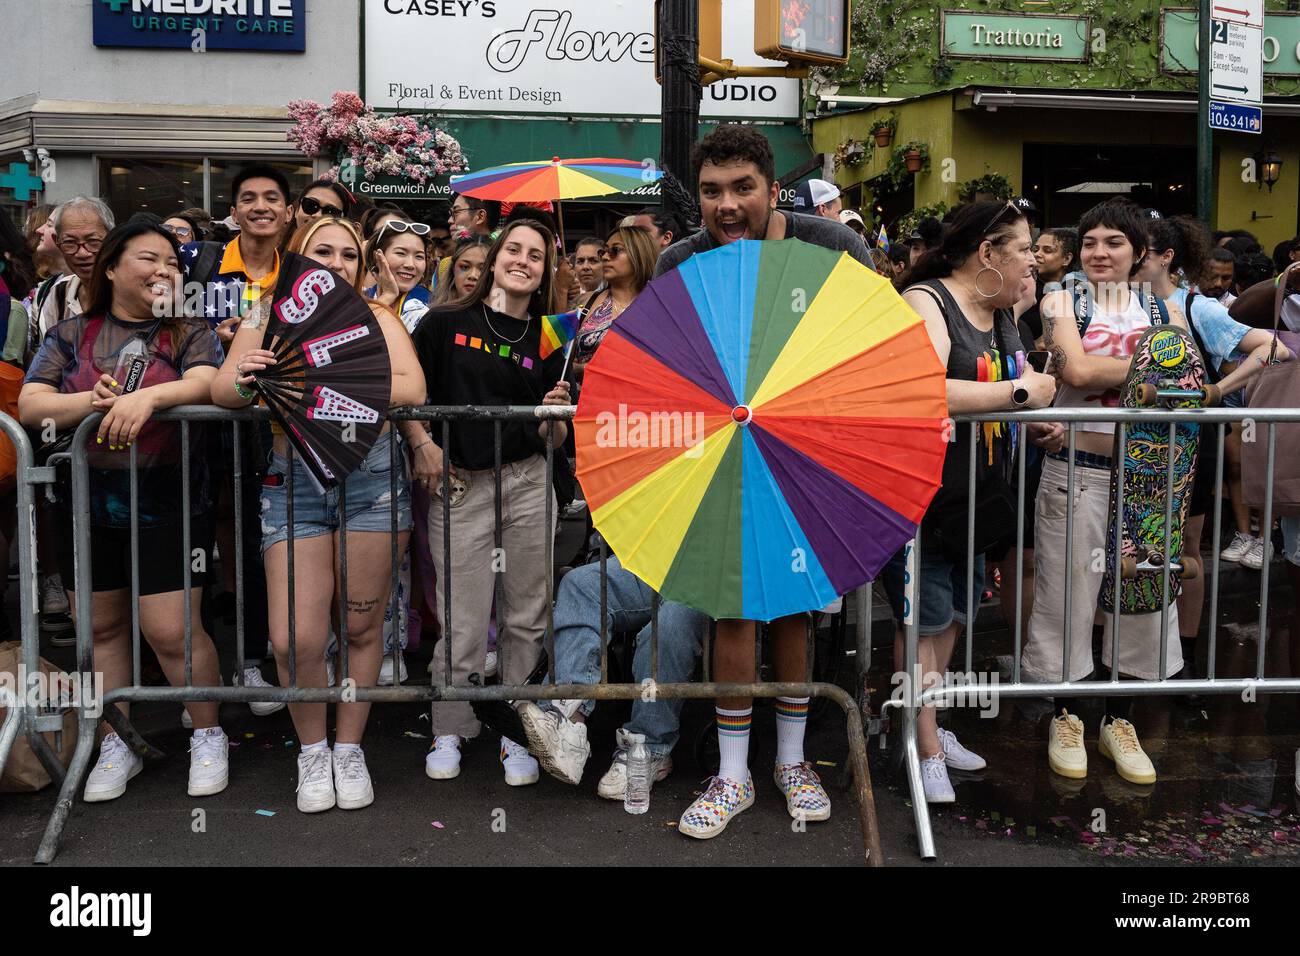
[[966, 290], [327, 778]]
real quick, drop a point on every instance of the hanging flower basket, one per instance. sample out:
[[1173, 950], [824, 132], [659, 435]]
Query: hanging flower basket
[[369, 144], [883, 131]]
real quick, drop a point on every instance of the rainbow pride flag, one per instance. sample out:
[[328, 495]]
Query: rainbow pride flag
[[882, 240], [557, 332]]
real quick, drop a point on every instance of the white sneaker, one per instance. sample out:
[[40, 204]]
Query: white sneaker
[[613, 785], [520, 767], [1239, 545], [559, 744], [490, 664], [252, 677], [1066, 754], [1119, 742], [957, 756], [443, 760], [1254, 556], [934, 777], [352, 779], [209, 764], [386, 670], [117, 764], [315, 781]]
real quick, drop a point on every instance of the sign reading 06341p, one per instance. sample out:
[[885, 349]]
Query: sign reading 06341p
[[259, 25]]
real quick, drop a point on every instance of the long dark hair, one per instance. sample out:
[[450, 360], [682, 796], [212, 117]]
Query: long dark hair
[[1189, 241], [446, 294], [540, 302], [972, 225], [19, 270], [110, 254]]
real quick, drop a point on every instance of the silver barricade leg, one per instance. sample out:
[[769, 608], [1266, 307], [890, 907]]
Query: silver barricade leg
[[1214, 557], [1266, 529], [15, 716], [912, 710], [186, 548], [654, 636], [394, 463], [289, 569], [1069, 556], [551, 521], [238, 556], [1020, 558], [135, 566], [498, 570], [87, 723], [604, 612], [1118, 588], [862, 631], [344, 663], [446, 550], [1170, 557]]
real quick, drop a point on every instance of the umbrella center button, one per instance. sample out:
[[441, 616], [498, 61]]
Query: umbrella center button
[[741, 414]]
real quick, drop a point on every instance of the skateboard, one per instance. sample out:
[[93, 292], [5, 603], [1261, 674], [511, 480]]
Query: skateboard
[[1166, 372]]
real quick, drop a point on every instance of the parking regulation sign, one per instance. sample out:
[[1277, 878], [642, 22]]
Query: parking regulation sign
[[1236, 117]]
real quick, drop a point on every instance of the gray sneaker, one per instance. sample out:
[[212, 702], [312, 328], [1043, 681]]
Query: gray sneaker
[[613, 786]]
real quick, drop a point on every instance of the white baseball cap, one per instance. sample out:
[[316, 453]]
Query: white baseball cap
[[849, 215], [812, 193]]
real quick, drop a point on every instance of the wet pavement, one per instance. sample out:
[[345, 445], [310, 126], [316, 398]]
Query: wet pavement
[[1225, 791]]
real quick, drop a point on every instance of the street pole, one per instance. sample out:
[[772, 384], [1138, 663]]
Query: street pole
[[679, 28], [1204, 135]]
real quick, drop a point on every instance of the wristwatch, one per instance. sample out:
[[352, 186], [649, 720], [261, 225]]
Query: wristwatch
[[1019, 394]]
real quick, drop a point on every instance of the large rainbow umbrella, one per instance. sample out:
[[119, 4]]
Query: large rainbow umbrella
[[555, 179], [762, 429]]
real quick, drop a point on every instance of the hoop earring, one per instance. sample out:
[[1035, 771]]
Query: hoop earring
[[996, 292]]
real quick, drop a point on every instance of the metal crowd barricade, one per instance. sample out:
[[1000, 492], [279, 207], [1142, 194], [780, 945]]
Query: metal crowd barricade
[[249, 418], [946, 693], [28, 712]]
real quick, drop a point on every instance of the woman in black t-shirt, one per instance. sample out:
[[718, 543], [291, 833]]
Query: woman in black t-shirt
[[485, 349]]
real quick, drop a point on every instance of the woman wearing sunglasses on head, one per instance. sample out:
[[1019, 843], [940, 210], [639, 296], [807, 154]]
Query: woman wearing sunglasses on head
[[398, 259], [339, 777]]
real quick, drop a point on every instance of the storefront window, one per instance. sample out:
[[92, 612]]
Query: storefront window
[[166, 186]]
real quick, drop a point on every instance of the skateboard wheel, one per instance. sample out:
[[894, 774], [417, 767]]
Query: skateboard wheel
[[1128, 567], [1213, 396], [1191, 567], [1146, 394]]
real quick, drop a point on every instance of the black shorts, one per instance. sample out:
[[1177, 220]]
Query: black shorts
[[162, 556], [1202, 499], [1033, 475]]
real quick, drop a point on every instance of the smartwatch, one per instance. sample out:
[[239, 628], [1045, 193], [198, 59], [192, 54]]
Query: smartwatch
[[1019, 394]]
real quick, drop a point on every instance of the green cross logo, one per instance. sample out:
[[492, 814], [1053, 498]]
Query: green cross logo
[[21, 181], [117, 5]]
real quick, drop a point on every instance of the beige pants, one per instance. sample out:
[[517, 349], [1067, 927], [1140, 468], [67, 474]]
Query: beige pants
[[521, 616], [1139, 634]]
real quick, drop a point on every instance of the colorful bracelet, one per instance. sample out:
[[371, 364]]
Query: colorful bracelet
[[244, 393]]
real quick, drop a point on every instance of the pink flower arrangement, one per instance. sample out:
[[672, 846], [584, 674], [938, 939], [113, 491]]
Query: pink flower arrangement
[[372, 144]]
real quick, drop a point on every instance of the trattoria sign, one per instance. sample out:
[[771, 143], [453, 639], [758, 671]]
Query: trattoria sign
[[1023, 36]]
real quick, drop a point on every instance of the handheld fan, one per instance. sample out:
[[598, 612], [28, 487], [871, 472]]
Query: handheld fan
[[330, 388]]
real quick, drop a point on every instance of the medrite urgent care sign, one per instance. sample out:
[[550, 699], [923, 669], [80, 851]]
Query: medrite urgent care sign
[[555, 57], [273, 26]]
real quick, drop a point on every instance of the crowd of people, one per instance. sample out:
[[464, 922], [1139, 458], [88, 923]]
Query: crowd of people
[[86, 294]]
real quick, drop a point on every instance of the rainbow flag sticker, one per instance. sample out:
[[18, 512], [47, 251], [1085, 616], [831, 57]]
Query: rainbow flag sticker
[[557, 332]]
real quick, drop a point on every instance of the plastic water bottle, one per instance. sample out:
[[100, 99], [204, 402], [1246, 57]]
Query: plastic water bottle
[[132, 363], [637, 798]]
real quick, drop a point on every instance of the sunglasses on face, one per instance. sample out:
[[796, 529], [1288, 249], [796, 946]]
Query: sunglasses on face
[[612, 252], [180, 232], [312, 206]]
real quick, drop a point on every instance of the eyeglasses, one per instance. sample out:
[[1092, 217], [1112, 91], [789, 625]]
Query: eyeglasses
[[612, 252], [70, 246], [1010, 204], [180, 232], [312, 206], [457, 210]]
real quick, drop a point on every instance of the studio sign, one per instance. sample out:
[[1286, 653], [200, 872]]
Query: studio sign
[[549, 31]]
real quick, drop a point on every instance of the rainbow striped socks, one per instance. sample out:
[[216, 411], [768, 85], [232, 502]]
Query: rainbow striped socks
[[791, 719], [733, 743]]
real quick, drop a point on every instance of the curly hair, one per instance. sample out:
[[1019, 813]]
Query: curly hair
[[732, 142]]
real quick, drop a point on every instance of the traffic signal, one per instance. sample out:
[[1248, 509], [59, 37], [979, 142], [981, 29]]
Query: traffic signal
[[802, 31], [710, 33]]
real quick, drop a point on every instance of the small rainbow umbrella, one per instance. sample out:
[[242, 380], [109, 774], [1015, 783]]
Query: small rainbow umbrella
[[762, 429], [555, 180]]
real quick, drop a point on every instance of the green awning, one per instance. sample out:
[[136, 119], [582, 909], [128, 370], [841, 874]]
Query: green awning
[[492, 142]]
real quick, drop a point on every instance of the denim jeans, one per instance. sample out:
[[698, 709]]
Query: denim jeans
[[577, 643]]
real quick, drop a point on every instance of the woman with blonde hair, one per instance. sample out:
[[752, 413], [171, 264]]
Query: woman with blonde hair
[[628, 262], [325, 777]]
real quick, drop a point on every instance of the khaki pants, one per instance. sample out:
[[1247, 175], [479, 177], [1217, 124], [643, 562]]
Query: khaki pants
[[1139, 643], [521, 617]]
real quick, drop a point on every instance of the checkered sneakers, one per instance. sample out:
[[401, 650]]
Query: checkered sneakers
[[713, 809], [805, 797]]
